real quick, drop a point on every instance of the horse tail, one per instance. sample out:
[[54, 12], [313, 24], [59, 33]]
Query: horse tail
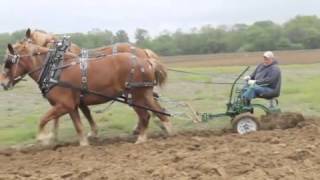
[[151, 54], [160, 73], [160, 69]]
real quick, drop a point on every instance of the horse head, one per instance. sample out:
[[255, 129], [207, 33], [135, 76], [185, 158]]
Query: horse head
[[19, 60]]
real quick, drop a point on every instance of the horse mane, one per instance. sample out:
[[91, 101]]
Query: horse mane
[[151, 54], [41, 31], [42, 37], [34, 48]]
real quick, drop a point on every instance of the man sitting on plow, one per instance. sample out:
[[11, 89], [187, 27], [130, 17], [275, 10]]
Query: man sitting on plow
[[265, 81]]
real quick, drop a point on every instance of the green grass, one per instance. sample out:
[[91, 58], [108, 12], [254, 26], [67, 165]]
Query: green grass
[[22, 107]]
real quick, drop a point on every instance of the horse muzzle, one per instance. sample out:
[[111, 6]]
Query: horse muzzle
[[6, 86]]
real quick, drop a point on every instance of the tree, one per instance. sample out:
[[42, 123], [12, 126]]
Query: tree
[[304, 30], [121, 36], [141, 36], [298, 33]]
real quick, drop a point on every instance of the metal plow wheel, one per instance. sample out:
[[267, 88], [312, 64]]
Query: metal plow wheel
[[245, 123]]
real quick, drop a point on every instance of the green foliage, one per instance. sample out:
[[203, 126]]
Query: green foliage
[[142, 37], [121, 37], [301, 32], [6, 38], [92, 39], [304, 30]]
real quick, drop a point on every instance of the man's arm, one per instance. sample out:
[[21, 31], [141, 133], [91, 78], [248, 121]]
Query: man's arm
[[253, 75]]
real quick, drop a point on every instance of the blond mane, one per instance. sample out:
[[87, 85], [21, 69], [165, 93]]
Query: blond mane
[[42, 38]]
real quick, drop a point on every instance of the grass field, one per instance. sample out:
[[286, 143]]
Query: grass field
[[22, 107]]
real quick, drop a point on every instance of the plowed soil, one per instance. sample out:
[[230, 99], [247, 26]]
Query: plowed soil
[[282, 153]]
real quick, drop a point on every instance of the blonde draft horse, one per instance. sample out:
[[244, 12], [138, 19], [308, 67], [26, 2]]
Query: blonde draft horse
[[44, 39], [107, 75]]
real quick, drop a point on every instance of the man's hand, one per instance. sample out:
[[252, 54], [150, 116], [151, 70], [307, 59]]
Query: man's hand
[[247, 78], [251, 82]]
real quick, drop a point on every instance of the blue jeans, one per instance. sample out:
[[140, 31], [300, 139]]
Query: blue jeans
[[251, 92]]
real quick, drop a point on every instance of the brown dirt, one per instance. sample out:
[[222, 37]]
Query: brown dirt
[[244, 58], [279, 154], [282, 120]]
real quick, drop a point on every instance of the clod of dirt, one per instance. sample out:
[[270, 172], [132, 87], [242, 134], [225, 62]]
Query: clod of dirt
[[281, 120]]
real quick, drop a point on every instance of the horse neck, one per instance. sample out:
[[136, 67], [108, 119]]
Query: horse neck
[[75, 49], [42, 39], [34, 68]]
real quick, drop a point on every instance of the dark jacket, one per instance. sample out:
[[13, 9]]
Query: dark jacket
[[268, 76]]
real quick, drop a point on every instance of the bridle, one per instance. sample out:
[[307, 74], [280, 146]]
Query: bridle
[[16, 59]]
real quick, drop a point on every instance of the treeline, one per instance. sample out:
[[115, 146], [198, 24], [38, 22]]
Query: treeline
[[302, 32]]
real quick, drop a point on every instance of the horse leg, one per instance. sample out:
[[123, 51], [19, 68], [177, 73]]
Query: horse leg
[[86, 111], [79, 127], [55, 129], [54, 113], [138, 126], [153, 104], [144, 117]]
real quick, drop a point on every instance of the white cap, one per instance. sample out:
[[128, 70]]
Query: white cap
[[268, 54]]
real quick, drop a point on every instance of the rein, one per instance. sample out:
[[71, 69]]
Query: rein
[[47, 79], [18, 57], [18, 78]]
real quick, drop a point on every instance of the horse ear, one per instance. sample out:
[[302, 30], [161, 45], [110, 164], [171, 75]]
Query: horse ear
[[10, 48], [28, 33]]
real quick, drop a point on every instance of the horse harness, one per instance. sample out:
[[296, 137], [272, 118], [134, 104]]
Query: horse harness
[[130, 83], [50, 74], [84, 70]]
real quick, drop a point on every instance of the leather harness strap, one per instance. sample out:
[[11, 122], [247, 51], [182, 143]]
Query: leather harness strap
[[84, 69], [50, 74], [115, 49]]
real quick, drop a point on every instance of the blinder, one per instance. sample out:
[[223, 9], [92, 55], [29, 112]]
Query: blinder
[[15, 58]]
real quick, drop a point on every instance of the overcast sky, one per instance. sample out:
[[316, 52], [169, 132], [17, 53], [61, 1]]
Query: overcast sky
[[62, 16]]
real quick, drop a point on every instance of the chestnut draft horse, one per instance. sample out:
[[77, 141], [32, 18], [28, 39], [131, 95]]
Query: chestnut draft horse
[[107, 75], [45, 39]]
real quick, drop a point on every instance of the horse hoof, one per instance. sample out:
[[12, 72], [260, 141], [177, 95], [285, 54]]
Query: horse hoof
[[84, 142], [92, 135], [167, 128], [46, 139], [141, 139]]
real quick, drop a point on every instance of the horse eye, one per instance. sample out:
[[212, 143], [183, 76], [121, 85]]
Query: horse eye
[[7, 64]]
